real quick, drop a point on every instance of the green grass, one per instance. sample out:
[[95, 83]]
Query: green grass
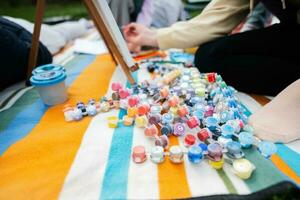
[[75, 10]]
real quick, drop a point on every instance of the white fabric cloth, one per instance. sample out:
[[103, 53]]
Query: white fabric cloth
[[54, 37]]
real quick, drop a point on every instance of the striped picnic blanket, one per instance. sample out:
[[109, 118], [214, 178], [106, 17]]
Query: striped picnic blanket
[[44, 157]]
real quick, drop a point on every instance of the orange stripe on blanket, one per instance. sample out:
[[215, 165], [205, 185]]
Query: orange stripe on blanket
[[284, 168], [172, 178], [36, 167]]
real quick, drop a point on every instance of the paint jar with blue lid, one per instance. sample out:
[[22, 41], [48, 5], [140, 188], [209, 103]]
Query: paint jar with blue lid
[[49, 80]]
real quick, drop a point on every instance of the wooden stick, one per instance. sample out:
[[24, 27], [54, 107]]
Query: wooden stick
[[101, 26], [40, 9]]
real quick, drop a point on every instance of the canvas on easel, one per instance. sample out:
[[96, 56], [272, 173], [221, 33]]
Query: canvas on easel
[[108, 29]]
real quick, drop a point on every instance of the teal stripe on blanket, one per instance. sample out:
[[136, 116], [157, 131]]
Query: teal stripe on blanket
[[290, 157], [115, 179], [28, 117]]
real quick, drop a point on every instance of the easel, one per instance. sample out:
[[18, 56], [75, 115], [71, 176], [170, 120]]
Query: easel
[[99, 23]]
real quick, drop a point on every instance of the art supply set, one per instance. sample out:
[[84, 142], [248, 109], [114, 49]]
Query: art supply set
[[199, 108]]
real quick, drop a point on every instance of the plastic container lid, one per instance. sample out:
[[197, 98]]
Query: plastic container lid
[[48, 78], [47, 68]]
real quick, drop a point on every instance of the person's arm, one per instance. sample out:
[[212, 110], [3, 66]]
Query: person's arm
[[216, 20]]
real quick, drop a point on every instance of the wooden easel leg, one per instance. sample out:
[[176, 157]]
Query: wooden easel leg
[[40, 9]]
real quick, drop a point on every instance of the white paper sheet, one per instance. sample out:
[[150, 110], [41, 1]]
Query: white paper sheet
[[94, 47]]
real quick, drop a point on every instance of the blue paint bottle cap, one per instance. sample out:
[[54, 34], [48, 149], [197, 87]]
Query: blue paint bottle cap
[[246, 139], [227, 130], [267, 148]]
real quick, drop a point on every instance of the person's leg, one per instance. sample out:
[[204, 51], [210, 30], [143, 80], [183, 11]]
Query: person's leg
[[278, 121], [260, 61]]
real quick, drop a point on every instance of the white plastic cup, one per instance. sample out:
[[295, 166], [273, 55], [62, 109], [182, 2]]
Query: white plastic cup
[[49, 81]]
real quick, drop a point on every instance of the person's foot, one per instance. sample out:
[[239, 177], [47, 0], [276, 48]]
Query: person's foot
[[279, 120]]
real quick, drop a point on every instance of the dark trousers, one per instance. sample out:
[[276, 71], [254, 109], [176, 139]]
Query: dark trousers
[[261, 61], [15, 44]]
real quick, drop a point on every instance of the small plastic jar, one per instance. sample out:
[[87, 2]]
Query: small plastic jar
[[49, 80]]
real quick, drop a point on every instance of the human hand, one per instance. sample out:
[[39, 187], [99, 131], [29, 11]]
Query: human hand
[[138, 35]]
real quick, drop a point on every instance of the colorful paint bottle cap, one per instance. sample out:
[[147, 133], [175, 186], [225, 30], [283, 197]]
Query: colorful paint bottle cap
[[162, 141], [199, 114], [113, 122], [223, 141], [200, 91], [154, 118], [166, 130], [133, 100], [115, 96], [203, 135], [77, 114], [123, 104], [235, 124], [191, 91], [243, 168], [196, 100], [116, 86], [182, 111], [155, 109], [193, 122], [173, 101], [234, 150], [189, 140], [185, 78], [164, 92], [157, 154], [176, 154], [179, 129], [211, 123], [151, 131], [211, 77], [203, 146], [139, 154], [131, 111], [225, 116], [141, 121], [167, 118], [177, 90], [209, 111], [216, 164], [227, 130], [215, 152], [195, 154], [127, 121], [124, 93], [267, 148], [143, 109], [173, 111], [104, 106], [246, 139]]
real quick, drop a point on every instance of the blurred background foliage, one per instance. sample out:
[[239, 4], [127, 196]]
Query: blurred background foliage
[[26, 9]]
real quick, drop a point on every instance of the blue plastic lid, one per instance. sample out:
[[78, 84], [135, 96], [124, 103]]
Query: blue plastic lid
[[48, 78], [48, 67], [267, 148], [227, 130], [203, 146], [233, 147], [246, 139], [211, 121]]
